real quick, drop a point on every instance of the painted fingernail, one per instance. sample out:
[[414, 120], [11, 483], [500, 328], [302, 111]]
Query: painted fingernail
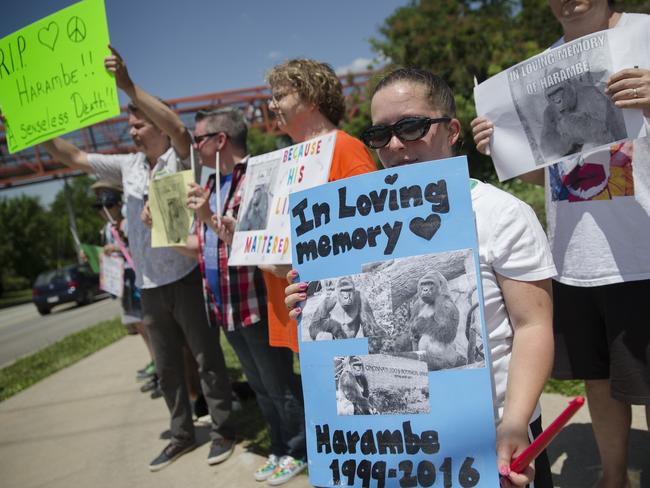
[[297, 310], [504, 470], [293, 273], [303, 295], [303, 286]]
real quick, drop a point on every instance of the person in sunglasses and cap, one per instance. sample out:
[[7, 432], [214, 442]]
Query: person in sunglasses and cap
[[414, 120], [109, 204]]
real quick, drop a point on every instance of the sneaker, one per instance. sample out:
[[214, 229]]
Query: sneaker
[[288, 467], [266, 469], [156, 393], [150, 385], [147, 372], [203, 421], [169, 454], [220, 450]]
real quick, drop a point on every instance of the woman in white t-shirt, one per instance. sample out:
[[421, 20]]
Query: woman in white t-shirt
[[599, 229], [414, 116]]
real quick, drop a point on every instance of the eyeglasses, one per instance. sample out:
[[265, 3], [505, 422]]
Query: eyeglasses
[[277, 96], [406, 129], [199, 139]]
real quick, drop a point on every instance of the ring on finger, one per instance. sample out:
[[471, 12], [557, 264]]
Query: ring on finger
[[635, 92]]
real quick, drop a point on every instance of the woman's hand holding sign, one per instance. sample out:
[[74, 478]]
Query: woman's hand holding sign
[[294, 294], [630, 88]]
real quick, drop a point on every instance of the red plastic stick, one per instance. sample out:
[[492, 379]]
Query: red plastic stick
[[539, 444]]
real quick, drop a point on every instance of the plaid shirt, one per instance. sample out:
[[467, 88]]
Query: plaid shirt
[[243, 295]]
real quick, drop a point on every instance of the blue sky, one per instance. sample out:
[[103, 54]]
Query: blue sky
[[190, 47]]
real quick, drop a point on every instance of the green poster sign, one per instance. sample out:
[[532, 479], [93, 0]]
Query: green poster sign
[[52, 75], [92, 253]]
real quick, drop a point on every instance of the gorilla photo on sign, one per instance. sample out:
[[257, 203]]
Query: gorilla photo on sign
[[342, 309], [435, 309], [561, 101], [579, 117], [256, 214]]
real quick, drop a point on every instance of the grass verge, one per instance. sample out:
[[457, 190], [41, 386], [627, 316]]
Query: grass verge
[[11, 298], [565, 387], [31, 369]]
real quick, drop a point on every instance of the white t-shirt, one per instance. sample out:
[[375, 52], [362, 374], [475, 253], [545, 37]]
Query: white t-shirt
[[511, 242], [154, 266], [598, 221]]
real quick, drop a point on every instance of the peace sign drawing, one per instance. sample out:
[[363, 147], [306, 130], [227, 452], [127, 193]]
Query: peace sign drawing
[[76, 29]]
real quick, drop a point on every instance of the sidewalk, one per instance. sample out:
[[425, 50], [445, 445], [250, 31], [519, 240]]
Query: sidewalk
[[88, 426]]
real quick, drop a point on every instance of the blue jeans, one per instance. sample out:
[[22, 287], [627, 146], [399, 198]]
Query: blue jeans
[[269, 371]]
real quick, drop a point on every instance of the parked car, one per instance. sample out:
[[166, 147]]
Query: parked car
[[74, 283]]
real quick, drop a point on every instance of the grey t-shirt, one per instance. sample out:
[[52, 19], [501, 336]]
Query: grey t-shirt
[[154, 266]]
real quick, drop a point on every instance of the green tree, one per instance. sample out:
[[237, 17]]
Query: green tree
[[26, 234], [260, 142]]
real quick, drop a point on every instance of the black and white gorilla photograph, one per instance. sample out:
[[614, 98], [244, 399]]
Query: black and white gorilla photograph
[[258, 195], [380, 385], [347, 307], [563, 107], [435, 310]]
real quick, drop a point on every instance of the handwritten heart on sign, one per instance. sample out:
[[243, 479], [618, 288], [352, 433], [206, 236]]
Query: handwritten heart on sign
[[390, 179], [425, 228], [48, 35]]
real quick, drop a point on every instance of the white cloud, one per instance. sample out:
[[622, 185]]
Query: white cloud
[[359, 64]]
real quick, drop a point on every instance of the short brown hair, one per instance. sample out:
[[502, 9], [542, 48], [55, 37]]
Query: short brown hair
[[315, 82]]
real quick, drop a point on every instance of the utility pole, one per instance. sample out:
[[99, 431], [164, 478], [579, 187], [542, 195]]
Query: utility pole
[[71, 218]]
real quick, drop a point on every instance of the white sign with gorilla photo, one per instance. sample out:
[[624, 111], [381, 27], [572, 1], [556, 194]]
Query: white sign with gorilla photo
[[263, 232], [554, 105]]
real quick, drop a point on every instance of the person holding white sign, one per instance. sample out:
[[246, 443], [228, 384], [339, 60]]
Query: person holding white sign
[[414, 117], [600, 237], [236, 295], [308, 102]]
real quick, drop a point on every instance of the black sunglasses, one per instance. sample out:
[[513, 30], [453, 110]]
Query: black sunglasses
[[203, 137], [406, 129]]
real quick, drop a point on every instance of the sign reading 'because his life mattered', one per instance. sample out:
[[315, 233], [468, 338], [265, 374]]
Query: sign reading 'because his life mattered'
[[392, 341], [52, 76], [263, 229]]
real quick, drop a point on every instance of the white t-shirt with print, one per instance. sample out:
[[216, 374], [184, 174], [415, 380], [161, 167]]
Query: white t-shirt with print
[[603, 238], [154, 266], [512, 243]]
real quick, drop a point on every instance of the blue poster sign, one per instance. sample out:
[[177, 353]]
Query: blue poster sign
[[393, 349]]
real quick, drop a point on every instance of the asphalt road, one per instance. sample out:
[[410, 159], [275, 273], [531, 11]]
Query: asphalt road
[[23, 331]]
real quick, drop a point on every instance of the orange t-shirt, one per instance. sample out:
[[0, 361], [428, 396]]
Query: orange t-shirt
[[350, 158]]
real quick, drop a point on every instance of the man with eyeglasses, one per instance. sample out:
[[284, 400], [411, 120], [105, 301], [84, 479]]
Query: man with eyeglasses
[[237, 295], [172, 302]]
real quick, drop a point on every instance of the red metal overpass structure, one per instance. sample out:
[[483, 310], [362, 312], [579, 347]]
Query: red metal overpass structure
[[34, 165]]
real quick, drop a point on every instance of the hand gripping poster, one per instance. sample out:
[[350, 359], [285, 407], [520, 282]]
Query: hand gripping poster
[[554, 107], [392, 339], [262, 234]]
